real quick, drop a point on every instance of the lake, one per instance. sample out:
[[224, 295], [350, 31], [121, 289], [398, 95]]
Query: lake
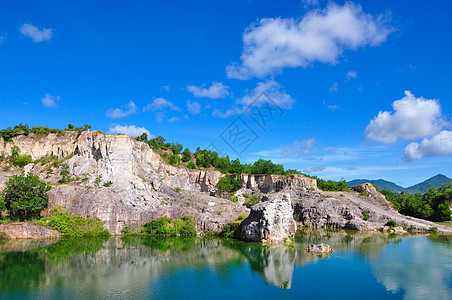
[[368, 265]]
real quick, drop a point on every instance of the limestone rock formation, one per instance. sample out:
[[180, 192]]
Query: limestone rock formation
[[270, 222], [319, 248], [28, 231]]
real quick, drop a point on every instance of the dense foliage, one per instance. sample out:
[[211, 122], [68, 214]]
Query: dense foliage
[[433, 205], [21, 129], [229, 183], [330, 185], [25, 197], [165, 226], [74, 226]]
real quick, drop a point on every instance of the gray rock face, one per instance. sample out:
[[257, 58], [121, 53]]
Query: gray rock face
[[275, 183], [270, 222], [319, 248], [28, 231]]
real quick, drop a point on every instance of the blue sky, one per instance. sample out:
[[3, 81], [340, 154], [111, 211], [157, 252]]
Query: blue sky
[[349, 89]]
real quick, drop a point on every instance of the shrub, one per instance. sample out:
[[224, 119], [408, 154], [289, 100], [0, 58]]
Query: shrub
[[186, 155], [241, 217], [191, 165], [229, 183], [64, 172], [108, 184], [174, 160], [15, 151], [98, 180], [233, 199], [366, 215], [231, 230], [22, 160], [434, 229], [391, 223], [25, 197], [332, 185], [75, 226], [165, 226], [4, 236], [251, 201]]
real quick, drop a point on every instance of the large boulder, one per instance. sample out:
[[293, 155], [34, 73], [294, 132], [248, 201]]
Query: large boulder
[[23, 230], [270, 222]]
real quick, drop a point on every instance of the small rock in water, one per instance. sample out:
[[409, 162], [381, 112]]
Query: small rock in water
[[319, 248]]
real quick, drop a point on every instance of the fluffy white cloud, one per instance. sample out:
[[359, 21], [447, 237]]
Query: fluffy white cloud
[[193, 107], [439, 144], [50, 101], [160, 104], [36, 34], [130, 130], [215, 91], [274, 94], [126, 110], [412, 118], [351, 75], [321, 35], [229, 112]]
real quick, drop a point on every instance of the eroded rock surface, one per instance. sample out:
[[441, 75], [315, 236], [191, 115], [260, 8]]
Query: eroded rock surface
[[28, 231], [319, 248], [270, 222]]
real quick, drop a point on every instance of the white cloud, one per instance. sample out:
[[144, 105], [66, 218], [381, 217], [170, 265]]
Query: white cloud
[[36, 34], [229, 112], [439, 144], [333, 108], [298, 148], [173, 119], [193, 107], [412, 118], [351, 75], [274, 94], [321, 35], [124, 111], [130, 130], [50, 101], [160, 104], [308, 3], [333, 88], [166, 87], [314, 169], [2, 38], [215, 91]]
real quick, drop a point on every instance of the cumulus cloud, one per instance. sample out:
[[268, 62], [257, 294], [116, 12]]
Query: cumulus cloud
[[320, 36], [215, 91], [50, 101], [193, 107], [229, 112], [438, 144], [125, 110], [412, 118], [314, 169], [36, 34], [351, 75], [130, 130], [160, 104], [274, 94]]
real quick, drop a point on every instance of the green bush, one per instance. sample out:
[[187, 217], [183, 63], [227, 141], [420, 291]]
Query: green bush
[[332, 185], [22, 160], [251, 201], [108, 184], [233, 199], [25, 197], [75, 226], [165, 226], [229, 183], [64, 172], [174, 160], [391, 223], [191, 165], [3, 236], [231, 230], [365, 215]]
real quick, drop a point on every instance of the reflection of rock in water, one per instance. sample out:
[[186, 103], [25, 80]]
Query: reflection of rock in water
[[274, 263], [21, 245]]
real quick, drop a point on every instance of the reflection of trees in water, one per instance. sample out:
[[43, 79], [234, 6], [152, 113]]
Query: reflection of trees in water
[[21, 271]]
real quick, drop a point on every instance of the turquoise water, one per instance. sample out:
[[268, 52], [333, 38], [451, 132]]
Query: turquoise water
[[364, 266]]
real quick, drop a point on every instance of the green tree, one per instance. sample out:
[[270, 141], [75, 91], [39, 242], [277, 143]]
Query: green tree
[[70, 126], [229, 183], [176, 148], [15, 151], [186, 155], [86, 127], [174, 160], [143, 137], [25, 197]]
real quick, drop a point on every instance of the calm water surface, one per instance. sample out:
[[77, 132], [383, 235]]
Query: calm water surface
[[364, 266]]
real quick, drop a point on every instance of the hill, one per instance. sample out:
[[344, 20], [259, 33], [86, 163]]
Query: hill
[[436, 181]]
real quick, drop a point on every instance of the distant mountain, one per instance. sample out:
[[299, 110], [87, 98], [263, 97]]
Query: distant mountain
[[380, 183], [434, 182]]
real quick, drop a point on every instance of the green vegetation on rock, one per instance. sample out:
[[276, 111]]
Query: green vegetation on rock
[[25, 197], [165, 226]]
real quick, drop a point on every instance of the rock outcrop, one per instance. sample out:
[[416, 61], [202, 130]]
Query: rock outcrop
[[319, 248], [275, 183], [270, 222], [28, 231]]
